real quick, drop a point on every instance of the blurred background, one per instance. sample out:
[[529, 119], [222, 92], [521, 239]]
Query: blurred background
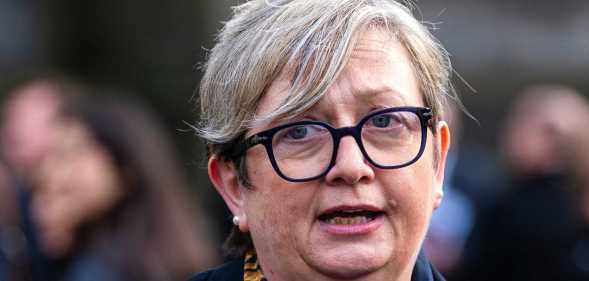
[[150, 51]]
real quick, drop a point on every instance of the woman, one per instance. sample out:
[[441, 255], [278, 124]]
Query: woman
[[322, 119], [110, 202], [32, 104], [530, 233]]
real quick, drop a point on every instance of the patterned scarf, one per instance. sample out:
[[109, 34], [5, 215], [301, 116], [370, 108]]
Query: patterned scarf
[[251, 268]]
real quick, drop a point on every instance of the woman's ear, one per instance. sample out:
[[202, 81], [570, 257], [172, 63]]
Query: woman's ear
[[224, 177], [442, 140]]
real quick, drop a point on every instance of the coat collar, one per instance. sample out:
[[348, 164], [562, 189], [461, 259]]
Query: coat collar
[[424, 270]]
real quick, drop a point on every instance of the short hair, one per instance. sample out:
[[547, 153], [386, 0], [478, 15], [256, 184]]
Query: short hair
[[314, 39]]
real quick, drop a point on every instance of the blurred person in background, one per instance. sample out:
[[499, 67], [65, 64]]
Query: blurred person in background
[[27, 114], [531, 232], [26, 127], [8, 210], [581, 250], [111, 202], [3, 267], [14, 260]]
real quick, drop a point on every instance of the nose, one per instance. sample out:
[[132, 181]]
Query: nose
[[350, 165]]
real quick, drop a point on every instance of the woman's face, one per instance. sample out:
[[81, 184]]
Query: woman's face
[[78, 183], [286, 220], [27, 121]]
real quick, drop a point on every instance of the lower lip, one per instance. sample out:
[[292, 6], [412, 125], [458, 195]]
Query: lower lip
[[352, 229]]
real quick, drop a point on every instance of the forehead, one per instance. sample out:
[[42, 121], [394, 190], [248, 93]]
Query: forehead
[[378, 73], [379, 68], [35, 98]]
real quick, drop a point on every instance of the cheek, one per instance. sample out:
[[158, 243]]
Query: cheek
[[279, 213], [276, 212], [54, 211], [410, 191], [423, 175], [96, 188], [56, 222], [409, 188], [271, 224]]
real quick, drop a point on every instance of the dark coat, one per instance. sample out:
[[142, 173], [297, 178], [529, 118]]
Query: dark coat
[[533, 233], [233, 271]]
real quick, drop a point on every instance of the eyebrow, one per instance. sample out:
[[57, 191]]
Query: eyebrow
[[367, 99], [373, 97]]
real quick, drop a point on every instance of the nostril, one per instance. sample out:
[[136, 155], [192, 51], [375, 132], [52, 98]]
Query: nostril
[[350, 166]]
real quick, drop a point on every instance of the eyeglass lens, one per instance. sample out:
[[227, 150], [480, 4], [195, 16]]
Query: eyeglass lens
[[389, 139]]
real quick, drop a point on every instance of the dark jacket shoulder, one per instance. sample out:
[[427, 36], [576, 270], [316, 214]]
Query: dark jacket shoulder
[[424, 270], [231, 271]]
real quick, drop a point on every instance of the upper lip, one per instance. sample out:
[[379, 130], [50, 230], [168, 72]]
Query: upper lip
[[350, 208]]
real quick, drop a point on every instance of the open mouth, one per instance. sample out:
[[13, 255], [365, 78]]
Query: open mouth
[[349, 217]]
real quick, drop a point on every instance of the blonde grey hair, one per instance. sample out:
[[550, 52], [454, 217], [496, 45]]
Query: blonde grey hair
[[314, 38]]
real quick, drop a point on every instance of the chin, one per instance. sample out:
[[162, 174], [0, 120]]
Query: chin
[[349, 263]]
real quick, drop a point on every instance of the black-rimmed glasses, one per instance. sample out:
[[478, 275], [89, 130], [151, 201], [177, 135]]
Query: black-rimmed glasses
[[306, 150]]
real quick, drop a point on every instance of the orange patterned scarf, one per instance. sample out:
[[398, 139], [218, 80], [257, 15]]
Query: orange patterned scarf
[[251, 268]]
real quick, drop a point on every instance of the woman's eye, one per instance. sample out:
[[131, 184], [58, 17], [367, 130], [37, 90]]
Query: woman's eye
[[381, 121], [297, 133]]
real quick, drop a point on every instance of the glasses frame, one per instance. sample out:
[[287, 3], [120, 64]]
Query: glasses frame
[[265, 137]]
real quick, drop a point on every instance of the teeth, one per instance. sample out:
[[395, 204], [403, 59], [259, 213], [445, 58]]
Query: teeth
[[348, 220]]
